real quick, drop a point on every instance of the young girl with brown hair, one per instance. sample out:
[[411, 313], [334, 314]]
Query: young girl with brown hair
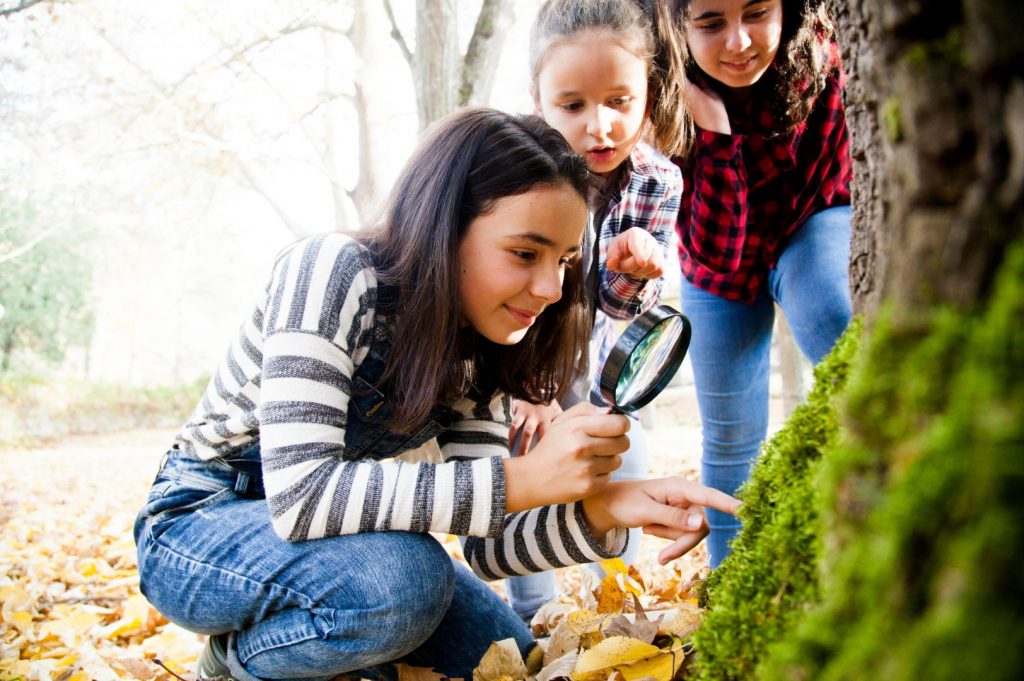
[[278, 525]]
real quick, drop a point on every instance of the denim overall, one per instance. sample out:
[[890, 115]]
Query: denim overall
[[211, 562]]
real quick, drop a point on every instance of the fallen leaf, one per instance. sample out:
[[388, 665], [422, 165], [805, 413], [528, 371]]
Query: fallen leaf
[[562, 667], [501, 661], [661, 667], [548, 616], [407, 672], [639, 627], [610, 596], [612, 652]]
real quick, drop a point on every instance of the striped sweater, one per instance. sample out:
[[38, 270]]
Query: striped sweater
[[287, 379]]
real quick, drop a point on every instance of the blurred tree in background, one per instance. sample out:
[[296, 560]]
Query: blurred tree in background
[[45, 281]]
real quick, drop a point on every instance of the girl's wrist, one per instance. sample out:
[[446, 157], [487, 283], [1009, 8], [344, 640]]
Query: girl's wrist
[[599, 522], [518, 495]]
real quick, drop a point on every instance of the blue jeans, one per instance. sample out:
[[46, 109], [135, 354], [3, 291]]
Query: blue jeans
[[730, 346], [210, 561], [528, 593]]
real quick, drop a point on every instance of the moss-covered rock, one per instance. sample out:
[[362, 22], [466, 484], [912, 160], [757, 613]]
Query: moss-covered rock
[[896, 549]]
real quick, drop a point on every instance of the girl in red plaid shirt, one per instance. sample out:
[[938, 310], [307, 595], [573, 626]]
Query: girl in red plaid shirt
[[600, 76], [765, 215]]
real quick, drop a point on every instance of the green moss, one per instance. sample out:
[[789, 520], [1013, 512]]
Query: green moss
[[889, 548], [892, 116], [757, 594], [946, 52], [923, 509]]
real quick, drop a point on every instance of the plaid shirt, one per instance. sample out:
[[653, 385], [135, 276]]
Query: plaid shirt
[[648, 197], [748, 192]]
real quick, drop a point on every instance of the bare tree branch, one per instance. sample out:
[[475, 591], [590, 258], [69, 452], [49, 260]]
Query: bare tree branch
[[396, 33], [28, 245], [21, 6], [252, 183]]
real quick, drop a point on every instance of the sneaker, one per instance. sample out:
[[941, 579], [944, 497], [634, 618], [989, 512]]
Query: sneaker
[[213, 661]]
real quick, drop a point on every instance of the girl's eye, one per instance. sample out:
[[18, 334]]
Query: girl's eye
[[758, 14], [619, 102], [709, 27], [571, 106], [526, 256]]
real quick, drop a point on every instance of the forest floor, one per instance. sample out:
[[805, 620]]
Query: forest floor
[[71, 609]]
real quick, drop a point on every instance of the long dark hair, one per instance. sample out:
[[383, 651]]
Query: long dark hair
[[643, 27], [466, 162], [802, 64]]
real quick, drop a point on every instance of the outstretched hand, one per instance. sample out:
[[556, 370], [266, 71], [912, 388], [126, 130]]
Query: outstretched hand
[[636, 253], [671, 508]]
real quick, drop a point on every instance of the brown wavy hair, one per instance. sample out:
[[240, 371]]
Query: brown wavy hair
[[802, 65], [643, 27], [466, 162]]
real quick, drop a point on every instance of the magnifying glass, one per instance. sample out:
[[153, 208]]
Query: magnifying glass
[[645, 358]]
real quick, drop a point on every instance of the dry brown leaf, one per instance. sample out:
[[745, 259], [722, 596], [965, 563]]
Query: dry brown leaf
[[501, 662], [563, 640], [584, 621], [138, 669], [685, 620], [562, 667], [408, 672], [549, 615], [638, 627]]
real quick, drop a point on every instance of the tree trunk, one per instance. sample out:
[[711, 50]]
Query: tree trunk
[[364, 194], [484, 51], [935, 103], [435, 66]]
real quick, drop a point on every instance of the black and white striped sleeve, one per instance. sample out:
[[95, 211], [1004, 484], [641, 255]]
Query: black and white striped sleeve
[[320, 315], [541, 539]]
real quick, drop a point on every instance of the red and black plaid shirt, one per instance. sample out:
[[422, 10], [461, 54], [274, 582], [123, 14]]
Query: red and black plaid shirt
[[744, 194]]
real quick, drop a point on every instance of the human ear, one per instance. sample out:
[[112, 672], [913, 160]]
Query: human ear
[[535, 96]]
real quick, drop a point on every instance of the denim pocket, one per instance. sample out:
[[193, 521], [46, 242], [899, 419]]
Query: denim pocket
[[178, 502], [183, 486]]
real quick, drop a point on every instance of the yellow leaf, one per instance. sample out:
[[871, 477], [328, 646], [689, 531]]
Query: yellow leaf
[[132, 620], [613, 566], [176, 647], [611, 597], [501, 661], [68, 624], [661, 667], [22, 621], [612, 652]]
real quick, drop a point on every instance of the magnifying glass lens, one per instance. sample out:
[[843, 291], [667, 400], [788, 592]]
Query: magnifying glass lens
[[645, 358], [647, 363]]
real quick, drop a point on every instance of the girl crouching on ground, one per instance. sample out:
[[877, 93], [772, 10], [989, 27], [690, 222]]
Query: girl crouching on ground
[[275, 524]]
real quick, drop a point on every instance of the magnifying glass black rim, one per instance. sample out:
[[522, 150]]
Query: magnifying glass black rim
[[639, 329]]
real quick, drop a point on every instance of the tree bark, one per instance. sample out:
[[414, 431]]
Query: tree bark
[[443, 79], [435, 67], [484, 51], [935, 103]]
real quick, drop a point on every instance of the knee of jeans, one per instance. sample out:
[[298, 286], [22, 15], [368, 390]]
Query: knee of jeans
[[407, 592]]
